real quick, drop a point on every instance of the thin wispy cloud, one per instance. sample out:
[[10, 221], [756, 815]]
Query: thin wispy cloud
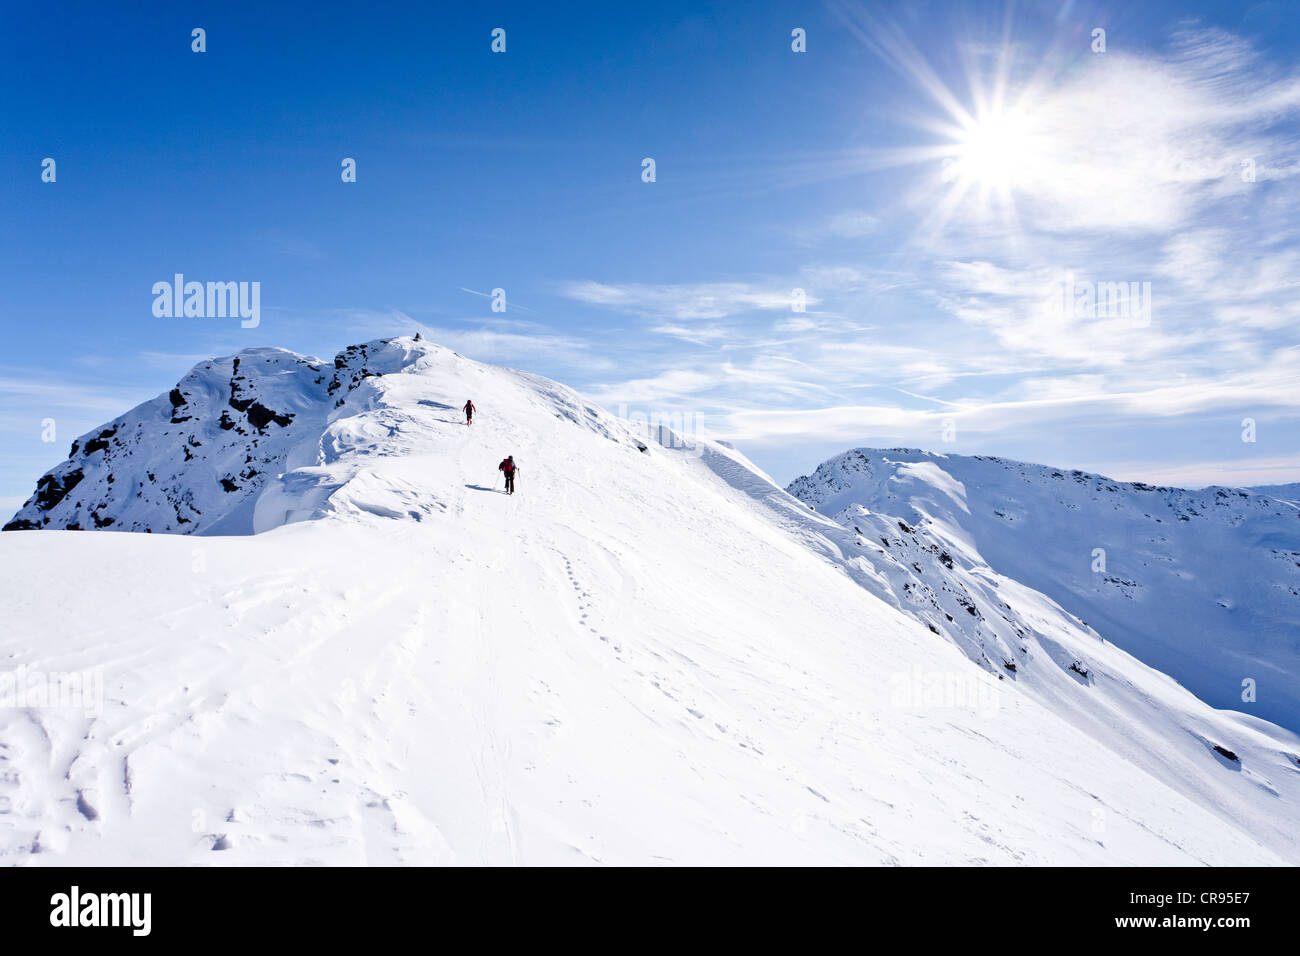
[[511, 304], [685, 301], [849, 224]]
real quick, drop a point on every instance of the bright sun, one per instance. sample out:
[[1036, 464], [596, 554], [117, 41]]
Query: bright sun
[[988, 145], [992, 151]]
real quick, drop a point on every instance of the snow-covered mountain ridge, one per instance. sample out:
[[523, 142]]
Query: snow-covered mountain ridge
[[195, 460], [1203, 585], [649, 654]]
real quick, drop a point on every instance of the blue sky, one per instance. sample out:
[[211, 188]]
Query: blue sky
[[924, 172]]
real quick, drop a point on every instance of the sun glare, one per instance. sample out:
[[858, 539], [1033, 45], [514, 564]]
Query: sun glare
[[988, 144], [993, 153], [992, 150]]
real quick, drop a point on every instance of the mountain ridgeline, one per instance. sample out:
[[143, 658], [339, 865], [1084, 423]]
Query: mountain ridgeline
[[1203, 585]]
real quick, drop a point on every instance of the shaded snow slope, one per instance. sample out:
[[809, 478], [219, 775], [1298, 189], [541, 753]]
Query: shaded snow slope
[[643, 656], [1202, 585], [1288, 493]]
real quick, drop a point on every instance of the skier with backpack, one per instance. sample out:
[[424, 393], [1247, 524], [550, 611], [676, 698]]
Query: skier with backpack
[[509, 469], [469, 411]]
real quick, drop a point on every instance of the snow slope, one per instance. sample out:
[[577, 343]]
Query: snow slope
[[1202, 585], [1289, 493], [644, 656]]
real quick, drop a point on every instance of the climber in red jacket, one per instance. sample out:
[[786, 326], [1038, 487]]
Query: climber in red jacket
[[510, 469], [469, 412]]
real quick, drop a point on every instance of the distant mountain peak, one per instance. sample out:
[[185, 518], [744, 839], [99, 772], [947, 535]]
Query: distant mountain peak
[[1195, 583]]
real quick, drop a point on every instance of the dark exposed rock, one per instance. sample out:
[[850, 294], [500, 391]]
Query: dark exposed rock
[[100, 441], [260, 416], [51, 489], [237, 403]]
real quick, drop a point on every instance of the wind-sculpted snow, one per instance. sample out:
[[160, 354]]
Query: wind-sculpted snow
[[1203, 585], [649, 654]]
